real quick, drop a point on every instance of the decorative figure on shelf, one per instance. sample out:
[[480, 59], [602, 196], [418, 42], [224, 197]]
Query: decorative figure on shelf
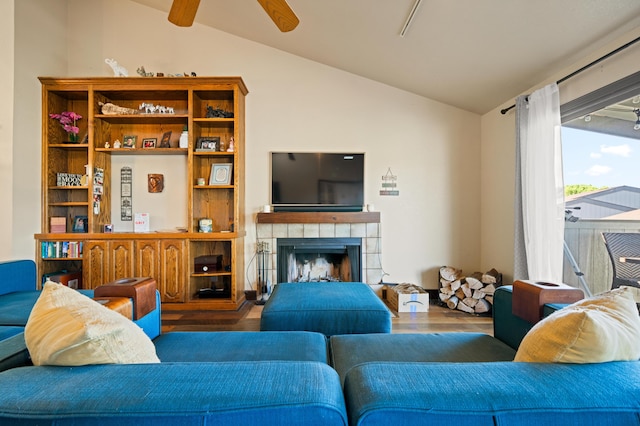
[[117, 144], [107, 145], [148, 108], [118, 70], [217, 113], [143, 73], [231, 145]]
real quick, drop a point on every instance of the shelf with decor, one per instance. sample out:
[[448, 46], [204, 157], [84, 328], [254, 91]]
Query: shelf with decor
[[149, 115]]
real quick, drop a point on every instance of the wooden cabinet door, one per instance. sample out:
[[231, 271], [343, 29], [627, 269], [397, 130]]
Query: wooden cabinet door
[[121, 259], [147, 259], [95, 264], [173, 264]]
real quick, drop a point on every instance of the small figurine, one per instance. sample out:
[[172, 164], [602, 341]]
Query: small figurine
[[117, 144], [118, 70], [107, 144], [231, 146]]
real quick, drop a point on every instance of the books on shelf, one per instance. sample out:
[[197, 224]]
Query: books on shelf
[[61, 249]]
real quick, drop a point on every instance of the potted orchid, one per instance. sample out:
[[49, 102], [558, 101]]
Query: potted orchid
[[68, 121]]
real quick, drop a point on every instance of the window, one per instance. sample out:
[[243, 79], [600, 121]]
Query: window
[[601, 152]]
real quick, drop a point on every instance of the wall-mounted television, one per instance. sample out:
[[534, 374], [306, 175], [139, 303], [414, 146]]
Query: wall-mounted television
[[317, 181]]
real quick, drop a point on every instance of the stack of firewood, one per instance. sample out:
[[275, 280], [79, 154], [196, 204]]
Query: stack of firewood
[[472, 294]]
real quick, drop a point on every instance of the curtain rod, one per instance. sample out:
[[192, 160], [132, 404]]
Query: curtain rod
[[584, 68]]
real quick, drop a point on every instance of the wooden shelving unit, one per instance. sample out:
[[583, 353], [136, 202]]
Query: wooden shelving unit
[[166, 256]]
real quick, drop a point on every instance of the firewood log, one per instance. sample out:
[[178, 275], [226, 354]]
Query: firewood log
[[449, 273], [452, 303], [482, 306]]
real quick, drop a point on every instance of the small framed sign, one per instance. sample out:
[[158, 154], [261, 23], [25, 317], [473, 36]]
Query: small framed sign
[[221, 174]]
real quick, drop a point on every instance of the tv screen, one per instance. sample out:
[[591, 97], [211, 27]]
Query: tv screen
[[314, 181]]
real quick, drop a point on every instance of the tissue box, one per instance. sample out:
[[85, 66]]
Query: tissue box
[[408, 302]]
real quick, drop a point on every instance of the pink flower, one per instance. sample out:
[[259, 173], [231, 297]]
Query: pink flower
[[68, 120]]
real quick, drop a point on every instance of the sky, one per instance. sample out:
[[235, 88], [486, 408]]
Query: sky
[[599, 159]]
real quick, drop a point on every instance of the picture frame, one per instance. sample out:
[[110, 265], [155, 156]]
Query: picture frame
[[207, 144], [149, 143], [221, 174], [129, 141], [165, 142], [80, 224]]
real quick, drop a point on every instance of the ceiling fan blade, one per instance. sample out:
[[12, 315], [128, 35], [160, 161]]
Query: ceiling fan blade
[[183, 12], [281, 14]]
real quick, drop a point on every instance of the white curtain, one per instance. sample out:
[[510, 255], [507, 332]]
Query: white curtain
[[539, 187]]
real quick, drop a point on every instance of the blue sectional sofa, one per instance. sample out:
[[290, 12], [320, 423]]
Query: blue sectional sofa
[[301, 377]]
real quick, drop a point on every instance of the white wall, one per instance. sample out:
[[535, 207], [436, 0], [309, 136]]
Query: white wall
[[6, 126], [40, 49], [498, 149]]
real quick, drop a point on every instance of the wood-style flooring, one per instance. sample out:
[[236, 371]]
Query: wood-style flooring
[[439, 319]]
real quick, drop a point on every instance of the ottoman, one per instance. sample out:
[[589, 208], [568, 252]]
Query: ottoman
[[327, 308]]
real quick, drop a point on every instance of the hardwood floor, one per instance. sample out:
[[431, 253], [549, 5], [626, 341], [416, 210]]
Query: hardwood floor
[[439, 319]]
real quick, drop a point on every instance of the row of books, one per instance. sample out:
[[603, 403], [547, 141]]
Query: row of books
[[61, 249]]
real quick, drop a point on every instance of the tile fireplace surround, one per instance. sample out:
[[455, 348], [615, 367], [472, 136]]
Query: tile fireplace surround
[[365, 225]]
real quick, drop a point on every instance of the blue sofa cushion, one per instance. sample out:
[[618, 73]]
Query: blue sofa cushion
[[502, 393], [328, 308], [13, 349], [348, 351], [223, 346], [248, 393], [18, 275], [16, 307]]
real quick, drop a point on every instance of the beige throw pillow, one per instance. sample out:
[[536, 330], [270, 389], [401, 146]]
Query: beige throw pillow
[[598, 329], [66, 327]]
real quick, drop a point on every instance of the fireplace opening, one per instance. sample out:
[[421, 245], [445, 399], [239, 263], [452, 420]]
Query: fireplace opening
[[319, 259]]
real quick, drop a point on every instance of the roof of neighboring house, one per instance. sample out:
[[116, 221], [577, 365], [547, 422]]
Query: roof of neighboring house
[[620, 202]]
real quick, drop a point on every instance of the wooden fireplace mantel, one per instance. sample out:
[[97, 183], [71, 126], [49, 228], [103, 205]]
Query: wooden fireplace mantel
[[319, 217]]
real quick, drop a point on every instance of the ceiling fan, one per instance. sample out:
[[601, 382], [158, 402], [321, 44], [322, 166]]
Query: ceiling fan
[[183, 12]]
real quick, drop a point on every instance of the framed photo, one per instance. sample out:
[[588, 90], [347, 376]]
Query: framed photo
[[165, 142], [80, 224], [221, 174], [208, 144], [149, 142], [130, 141]]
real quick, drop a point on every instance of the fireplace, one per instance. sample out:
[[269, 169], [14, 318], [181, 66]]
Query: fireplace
[[319, 259], [362, 226]]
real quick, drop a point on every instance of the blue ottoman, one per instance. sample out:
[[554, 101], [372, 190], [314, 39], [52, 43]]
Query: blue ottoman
[[327, 308]]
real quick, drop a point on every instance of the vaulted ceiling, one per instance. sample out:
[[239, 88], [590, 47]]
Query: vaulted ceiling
[[472, 54]]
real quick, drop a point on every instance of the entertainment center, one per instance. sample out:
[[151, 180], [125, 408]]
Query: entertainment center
[[112, 109]]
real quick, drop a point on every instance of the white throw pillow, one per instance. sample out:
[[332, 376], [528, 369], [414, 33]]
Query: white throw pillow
[[66, 327], [602, 328]]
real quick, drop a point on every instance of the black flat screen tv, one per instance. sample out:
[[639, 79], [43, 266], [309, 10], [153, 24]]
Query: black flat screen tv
[[317, 181]]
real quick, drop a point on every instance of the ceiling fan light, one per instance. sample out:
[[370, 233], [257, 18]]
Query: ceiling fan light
[[637, 125]]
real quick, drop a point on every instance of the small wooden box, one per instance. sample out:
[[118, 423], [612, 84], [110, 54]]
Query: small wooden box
[[142, 290], [529, 297], [57, 225], [408, 302]]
